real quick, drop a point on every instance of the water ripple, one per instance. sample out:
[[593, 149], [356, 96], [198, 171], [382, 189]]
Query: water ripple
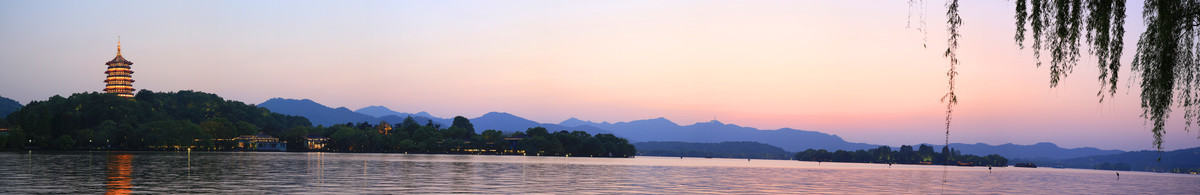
[[339, 173]]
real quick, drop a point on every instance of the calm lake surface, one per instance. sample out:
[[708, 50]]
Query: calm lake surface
[[267, 172]]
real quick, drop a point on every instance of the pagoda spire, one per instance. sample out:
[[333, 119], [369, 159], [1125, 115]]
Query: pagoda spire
[[120, 78]]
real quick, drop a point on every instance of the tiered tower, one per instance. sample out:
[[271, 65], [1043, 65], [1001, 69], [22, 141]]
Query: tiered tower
[[120, 78]]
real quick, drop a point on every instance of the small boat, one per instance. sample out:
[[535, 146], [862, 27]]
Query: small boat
[[1026, 165]]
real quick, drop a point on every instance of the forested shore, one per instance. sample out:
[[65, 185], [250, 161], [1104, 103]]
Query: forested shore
[[203, 121]]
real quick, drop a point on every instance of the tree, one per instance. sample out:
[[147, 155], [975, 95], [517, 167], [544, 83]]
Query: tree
[[106, 120], [1167, 57], [63, 142], [458, 133], [496, 138], [925, 152], [245, 128], [221, 128], [349, 138], [907, 155], [409, 125], [882, 154], [946, 155], [537, 132], [463, 122]]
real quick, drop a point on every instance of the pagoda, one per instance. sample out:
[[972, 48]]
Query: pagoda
[[120, 78]]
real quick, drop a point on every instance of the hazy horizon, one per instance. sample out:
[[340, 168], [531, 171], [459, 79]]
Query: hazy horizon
[[845, 68]]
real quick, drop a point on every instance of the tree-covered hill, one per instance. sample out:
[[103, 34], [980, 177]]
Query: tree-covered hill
[[1177, 161], [99, 120], [189, 119], [8, 106]]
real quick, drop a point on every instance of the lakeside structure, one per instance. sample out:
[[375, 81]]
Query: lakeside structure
[[261, 142], [120, 78], [315, 142]]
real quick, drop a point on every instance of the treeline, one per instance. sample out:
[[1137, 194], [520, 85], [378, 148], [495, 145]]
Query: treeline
[[906, 155], [197, 120], [741, 149], [1176, 161], [460, 137], [147, 121]]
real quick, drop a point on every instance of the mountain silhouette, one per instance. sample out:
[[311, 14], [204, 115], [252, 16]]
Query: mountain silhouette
[[658, 130], [323, 115], [315, 112], [378, 111], [1146, 160], [1040, 150], [573, 122], [661, 129], [508, 123], [389, 115], [8, 106]]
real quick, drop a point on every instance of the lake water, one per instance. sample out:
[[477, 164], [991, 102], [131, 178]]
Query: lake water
[[266, 172]]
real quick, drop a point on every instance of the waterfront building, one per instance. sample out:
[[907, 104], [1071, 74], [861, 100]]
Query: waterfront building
[[315, 142], [120, 77], [384, 128], [260, 142]]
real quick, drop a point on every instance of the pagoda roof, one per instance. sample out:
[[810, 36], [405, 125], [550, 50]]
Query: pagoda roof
[[119, 59]]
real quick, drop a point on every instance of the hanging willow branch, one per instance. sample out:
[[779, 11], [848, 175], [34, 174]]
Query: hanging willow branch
[[1166, 57], [916, 11], [952, 24]]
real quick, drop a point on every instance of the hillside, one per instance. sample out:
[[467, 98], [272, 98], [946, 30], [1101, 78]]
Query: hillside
[[747, 150], [8, 106], [150, 119]]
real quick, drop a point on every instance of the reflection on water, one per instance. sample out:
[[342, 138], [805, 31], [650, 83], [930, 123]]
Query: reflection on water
[[120, 169], [258, 173]]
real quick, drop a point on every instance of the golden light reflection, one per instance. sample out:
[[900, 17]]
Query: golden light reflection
[[120, 170]]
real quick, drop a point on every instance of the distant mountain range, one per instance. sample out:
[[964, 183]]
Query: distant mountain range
[[508, 123], [658, 130], [1039, 150], [8, 106], [747, 150], [323, 115], [1145, 160], [661, 129], [384, 112]]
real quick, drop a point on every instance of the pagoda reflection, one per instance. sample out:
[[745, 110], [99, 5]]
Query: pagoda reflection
[[120, 170]]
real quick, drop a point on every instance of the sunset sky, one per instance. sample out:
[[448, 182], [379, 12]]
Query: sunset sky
[[854, 69]]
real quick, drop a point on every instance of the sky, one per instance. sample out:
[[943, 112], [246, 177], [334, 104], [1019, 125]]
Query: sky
[[860, 70]]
